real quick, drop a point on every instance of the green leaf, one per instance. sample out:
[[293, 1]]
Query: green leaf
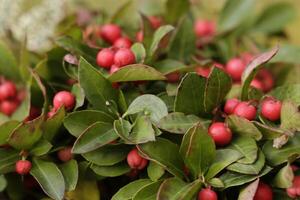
[[287, 92], [287, 54], [107, 155], [164, 153], [291, 150], [198, 150], [150, 104], [41, 148], [253, 169], [247, 147], [49, 177], [97, 88], [224, 157], [142, 130], [111, 171], [234, 13], [23, 110], [268, 132], [6, 129], [176, 9], [168, 66], [183, 45], [85, 190], [243, 127], [128, 191], [139, 52], [160, 35], [136, 72], [169, 188], [189, 191], [249, 191], [77, 122], [216, 182], [8, 159], [79, 95], [8, 63], [53, 124], [290, 116], [252, 69], [3, 183], [70, 172], [95, 136], [26, 134], [275, 17], [147, 192], [284, 178], [155, 171], [179, 123]]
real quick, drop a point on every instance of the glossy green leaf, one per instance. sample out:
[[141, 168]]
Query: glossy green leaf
[[8, 63], [49, 177], [243, 127], [198, 150], [290, 116], [139, 52], [41, 148], [6, 129], [85, 190], [78, 121], [159, 36], [249, 191], [70, 173], [147, 192], [268, 132], [169, 188], [168, 66], [95, 136], [155, 171], [189, 191], [176, 9], [142, 130], [8, 159], [53, 124], [287, 92], [164, 153], [111, 171], [284, 178], [79, 95], [216, 182]]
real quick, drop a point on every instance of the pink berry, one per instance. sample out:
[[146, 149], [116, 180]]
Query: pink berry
[[8, 90], [271, 109], [257, 84], [230, 105], [64, 98], [207, 194], [123, 42], [263, 192], [155, 21], [65, 154], [220, 133], [204, 28], [135, 161], [8, 107], [247, 57], [245, 110], [110, 32], [113, 69], [173, 77], [291, 192], [23, 167], [203, 71], [266, 79], [235, 68], [139, 36], [105, 58], [51, 113], [124, 57]]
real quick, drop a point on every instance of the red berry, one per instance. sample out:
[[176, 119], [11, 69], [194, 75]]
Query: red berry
[[135, 161], [203, 71], [110, 32], [294, 191], [247, 57], [65, 154], [245, 110], [124, 57], [8, 107], [207, 194], [235, 68], [113, 69], [8, 90], [33, 113], [257, 84], [230, 105], [139, 36], [204, 28], [51, 113], [173, 77], [155, 21], [220, 133], [23, 167], [64, 98], [123, 42], [263, 192], [266, 78], [105, 58], [271, 109]]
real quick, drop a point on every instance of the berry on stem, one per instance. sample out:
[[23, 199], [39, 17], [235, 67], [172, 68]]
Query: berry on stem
[[7, 90], [110, 32], [207, 194], [123, 42], [230, 105], [263, 192], [245, 110], [105, 58], [135, 161], [8, 107], [64, 98], [65, 154], [204, 28], [155, 21], [235, 68], [23, 167], [220, 133], [294, 190], [124, 57], [271, 109], [257, 84], [113, 69]]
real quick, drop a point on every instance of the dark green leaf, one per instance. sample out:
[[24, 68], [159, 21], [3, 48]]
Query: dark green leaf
[[8, 159], [70, 172], [53, 124], [142, 130], [3, 183], [147, 192], [169, 188], [268, 132], [111, 171], [41, 148], [176, 9], [6, 129], [287, 92], [290, 116], [249, 191], [79, 94], [155, 171], [168, 66], [8, 63], [284, 178], [189, 191]]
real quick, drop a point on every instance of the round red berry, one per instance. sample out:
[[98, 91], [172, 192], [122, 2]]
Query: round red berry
[[123, 42], [23, 167], [155, 21], [257, 84], [235, 68], [220, 133], [263, 192], [173, 77], [230, 105], [245, 110], [266, 79], [64, 98], [204, 28], [271, 109], [110, 32], [124, 57], [8, 107], [105, 58], [135, 161], [139, 36], [113, 69], [294, 190], [247, 57], [207, 194], [8, 90], [203, 71], [65, 154]]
